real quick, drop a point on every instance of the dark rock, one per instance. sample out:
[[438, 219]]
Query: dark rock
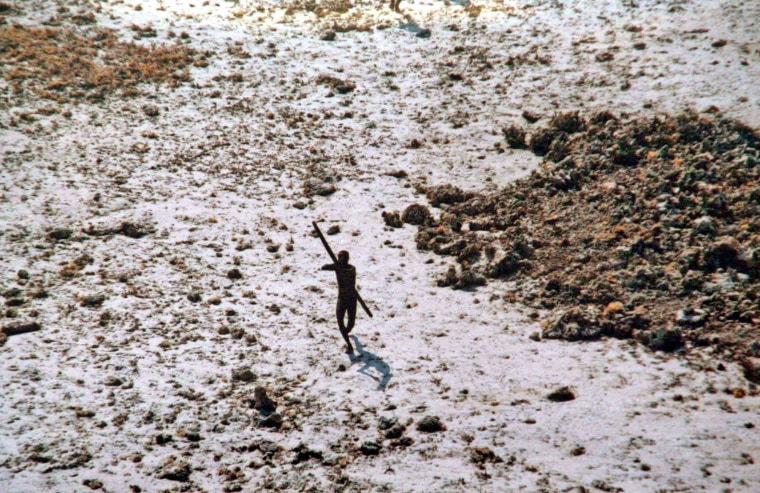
[[370, 448], [304, 454], [328, 35], [424, 33], [541, 141], [274, 420], [136, 229], [163, 439], [570, 122], [193, 436], [315, 186], [243, 374], [23, 274], [403, 442], [395, 431], [416, 214], [574, 324], [151, 110], [398, 174], [384, 423], [430, 424], [175, 470], [471, 278], [60, 234], [194, 297], [333, 230], [93, 300], [446, 194], [338, 85], [692, 281], [12, 293], [20, 327], [666, 340], [392, 219], [723, 252], [93, 484], [562, 394], [481, 455], [234, 274], [530, 116], [515, 136], [261, 401], [113, 381]]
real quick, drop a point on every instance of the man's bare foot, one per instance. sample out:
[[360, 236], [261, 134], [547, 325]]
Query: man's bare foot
[[349, 349]]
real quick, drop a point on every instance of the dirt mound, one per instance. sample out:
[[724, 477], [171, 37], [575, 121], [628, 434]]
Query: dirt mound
[[627, 229]]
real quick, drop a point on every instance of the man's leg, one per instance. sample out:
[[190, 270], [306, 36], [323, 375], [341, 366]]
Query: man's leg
[[351, 314], [341, 312]]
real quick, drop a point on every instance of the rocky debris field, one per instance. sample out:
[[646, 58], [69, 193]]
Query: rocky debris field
[[646, 228], [165, 325]]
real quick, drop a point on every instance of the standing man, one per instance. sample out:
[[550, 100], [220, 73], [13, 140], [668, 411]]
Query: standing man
[[394, 5], [347, 295]]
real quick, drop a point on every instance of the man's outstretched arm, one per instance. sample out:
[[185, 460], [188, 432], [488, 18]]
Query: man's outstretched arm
[[329, 267]]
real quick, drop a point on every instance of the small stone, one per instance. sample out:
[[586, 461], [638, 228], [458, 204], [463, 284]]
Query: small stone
[[614, 307], [333, 230], [234, 274], [481, 455], [392, 219], [23, 274], [93, 300], [370, 448], [175, 470], [274, 420], [430, 424], [424, 33], [693, 280], [60, 234], [395, 431], [578, 450], [416, 214], [300, 205], [194, 297], [315, 186], [93, 484], [704, 225], [163, 439], [666, 340], [535, 336], [562, 394], [113, 381], [261, 401], [193, 436], [243, 375], [384, 422], [403, 442], [151, 110], [691, 317], [328, 35]]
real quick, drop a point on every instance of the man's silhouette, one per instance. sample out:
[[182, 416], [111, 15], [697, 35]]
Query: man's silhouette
[[346, 274]]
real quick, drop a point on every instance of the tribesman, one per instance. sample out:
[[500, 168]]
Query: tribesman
[[347, 295]]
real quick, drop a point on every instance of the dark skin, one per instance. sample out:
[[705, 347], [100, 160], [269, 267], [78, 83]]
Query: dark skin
[[394, 5], [346, 275]]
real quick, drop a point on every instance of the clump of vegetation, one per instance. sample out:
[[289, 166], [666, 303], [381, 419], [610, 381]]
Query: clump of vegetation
[[63, 63]]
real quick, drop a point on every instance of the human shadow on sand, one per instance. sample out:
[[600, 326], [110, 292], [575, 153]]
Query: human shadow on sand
[[374, 366]]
